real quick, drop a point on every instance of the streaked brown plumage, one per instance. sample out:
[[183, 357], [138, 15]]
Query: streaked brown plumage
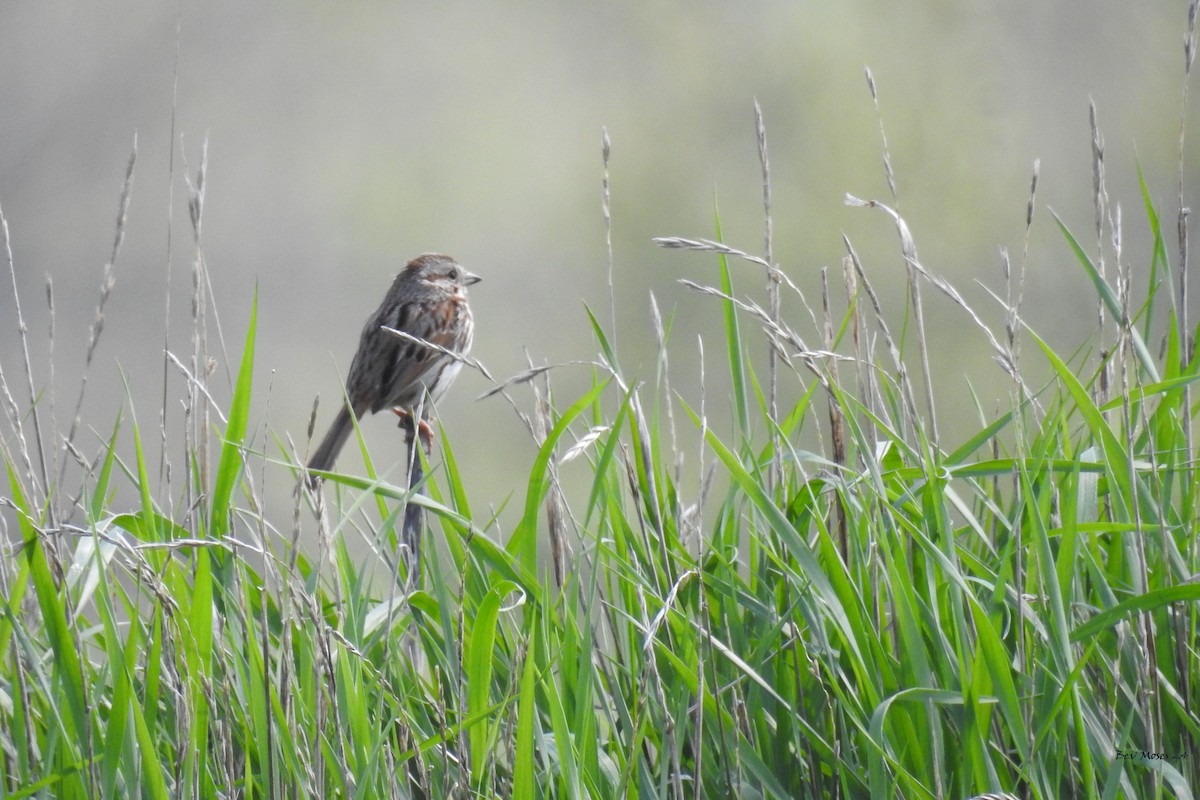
[[427, 300]]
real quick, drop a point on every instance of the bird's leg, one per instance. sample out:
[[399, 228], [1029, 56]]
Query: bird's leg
[[424, 430]]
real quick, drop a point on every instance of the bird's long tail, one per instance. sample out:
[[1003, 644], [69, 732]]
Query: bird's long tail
[[331, 445]]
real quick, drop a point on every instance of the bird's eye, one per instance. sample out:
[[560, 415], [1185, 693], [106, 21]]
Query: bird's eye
[[453, 274]]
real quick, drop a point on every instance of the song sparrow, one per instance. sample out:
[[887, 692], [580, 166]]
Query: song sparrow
[[427, 300]]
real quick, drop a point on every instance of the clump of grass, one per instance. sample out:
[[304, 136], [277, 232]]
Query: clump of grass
[[888, 615]]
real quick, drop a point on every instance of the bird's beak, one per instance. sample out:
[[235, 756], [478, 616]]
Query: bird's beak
[[470, 278]]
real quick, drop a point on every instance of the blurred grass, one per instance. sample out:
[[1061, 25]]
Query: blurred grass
[[890, 617]]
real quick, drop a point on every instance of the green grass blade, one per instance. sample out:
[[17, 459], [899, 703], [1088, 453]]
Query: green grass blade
[[1109, 296], [523, 544], [524, 782], [1156, 598], [230, 465], [733, 339], [479, 657]]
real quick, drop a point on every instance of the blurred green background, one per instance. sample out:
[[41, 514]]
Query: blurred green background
[[345, 138]]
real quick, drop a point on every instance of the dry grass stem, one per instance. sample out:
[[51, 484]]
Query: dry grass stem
[[460, 358], [708, 246], [555, 527], [850, 280], [1016, 285], [23, 330], [164, 465], [837, 425], [198, 405], [50, 383], [606, 210], [775, 470], [887, 156], [781, 336], [910, 403], [525, 376], [106, 286], [664, 377], [413, 528], [908, 249], [1100, 206], [1186, 334]]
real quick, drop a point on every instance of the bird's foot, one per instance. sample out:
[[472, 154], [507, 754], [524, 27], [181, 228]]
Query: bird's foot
[[424, 430]]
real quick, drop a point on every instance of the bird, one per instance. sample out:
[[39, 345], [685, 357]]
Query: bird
[[427, 301]]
